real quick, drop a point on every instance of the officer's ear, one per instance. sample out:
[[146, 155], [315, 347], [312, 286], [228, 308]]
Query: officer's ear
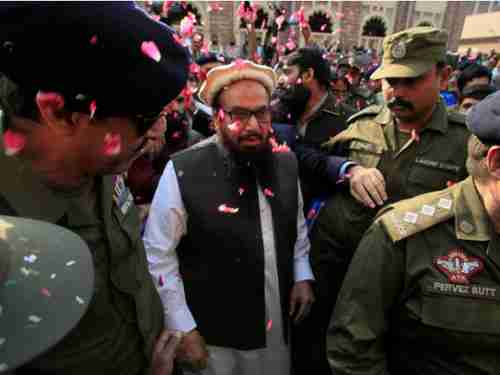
[[493, 161], [444, 73], [308, 75], [51, 108]]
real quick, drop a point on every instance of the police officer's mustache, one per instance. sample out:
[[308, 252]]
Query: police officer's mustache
[[398, 102]]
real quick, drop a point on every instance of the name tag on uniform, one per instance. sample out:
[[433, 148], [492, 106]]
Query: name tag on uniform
[[438, 164], [121, 195]]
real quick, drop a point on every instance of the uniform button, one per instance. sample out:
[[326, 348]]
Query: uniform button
[[466, 227]]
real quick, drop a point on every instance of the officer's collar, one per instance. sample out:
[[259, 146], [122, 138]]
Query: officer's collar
[[438, 120], [471, 220]]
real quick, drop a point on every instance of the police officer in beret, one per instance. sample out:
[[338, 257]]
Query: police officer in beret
[[421, 294], [73, 120], [409, 146]]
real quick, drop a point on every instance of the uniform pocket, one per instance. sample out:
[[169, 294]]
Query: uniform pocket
[[365, 153]]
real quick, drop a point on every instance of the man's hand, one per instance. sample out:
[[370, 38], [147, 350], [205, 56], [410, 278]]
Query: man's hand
[[192, 353], [301, 299], [367, 186], [164, 352]]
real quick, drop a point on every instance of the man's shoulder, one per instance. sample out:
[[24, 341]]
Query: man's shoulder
[[197, 148], [411, 216], [367, 113], [456, 118]]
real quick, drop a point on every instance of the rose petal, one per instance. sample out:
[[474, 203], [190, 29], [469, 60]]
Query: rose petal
[[151, 50], [112, 144], [93, 40], [13, 142]]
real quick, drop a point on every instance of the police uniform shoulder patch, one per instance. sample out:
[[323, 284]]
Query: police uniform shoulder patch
[[456, 117], [372, 110], [411, 216]]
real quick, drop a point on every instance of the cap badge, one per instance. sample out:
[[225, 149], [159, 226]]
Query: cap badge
[[458, 267], [398, 50]]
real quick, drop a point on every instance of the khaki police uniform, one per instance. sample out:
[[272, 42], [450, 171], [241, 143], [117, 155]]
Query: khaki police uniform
[[117, 333], [422, 292], [411, 164]]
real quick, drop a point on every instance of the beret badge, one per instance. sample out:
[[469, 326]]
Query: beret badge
[[398, 50]]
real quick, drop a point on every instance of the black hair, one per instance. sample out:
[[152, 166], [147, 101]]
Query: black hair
[[312, 58], [473, 71]]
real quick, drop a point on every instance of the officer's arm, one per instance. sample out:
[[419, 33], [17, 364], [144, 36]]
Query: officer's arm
[[324, 166], [361, 318]]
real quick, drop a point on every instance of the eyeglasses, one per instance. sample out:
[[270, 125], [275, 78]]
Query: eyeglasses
[[262, 115]]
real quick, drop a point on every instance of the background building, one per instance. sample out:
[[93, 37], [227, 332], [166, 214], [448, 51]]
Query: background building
[[347, 23]]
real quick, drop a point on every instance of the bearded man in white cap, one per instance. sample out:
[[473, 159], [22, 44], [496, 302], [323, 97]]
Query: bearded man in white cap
[[226, 237]]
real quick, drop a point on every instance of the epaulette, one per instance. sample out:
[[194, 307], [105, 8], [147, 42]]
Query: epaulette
[[368, 111], [406, 218], [456, 117]]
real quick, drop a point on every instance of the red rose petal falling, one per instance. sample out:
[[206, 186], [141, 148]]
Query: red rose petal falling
[[93, 40], [221, 115], [112, 144], [13, 142], [224, 208], [45, 292], [150, 49], [160, 281], [92, 108], [269, 325], [241, 191], [268, 192]]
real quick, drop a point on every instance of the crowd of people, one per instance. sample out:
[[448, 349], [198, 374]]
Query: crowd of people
[[171, 206]]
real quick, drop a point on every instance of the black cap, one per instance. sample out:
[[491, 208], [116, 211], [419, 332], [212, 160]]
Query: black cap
[[483, 120], [93, 51], [46, 284]]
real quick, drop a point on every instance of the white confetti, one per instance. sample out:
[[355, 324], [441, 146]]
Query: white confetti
[[53, 276], [411, 217], [180, 173], [79, 300], [34, 319], [3, 367], [30, 258], [428, 210], [2, 340], [444, 203], [70, 263]]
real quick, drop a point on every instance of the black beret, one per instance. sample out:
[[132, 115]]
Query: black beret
[[93, 51], [483, 120]]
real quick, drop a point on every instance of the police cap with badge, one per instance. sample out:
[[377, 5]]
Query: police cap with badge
[[46, 285], [412, 52], [110, 55]]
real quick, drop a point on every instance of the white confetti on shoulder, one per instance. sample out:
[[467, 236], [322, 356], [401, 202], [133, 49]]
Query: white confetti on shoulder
[[34, 319]]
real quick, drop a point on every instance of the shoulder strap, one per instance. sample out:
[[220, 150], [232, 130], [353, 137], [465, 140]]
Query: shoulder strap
[[368, 111], [411, 216]]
